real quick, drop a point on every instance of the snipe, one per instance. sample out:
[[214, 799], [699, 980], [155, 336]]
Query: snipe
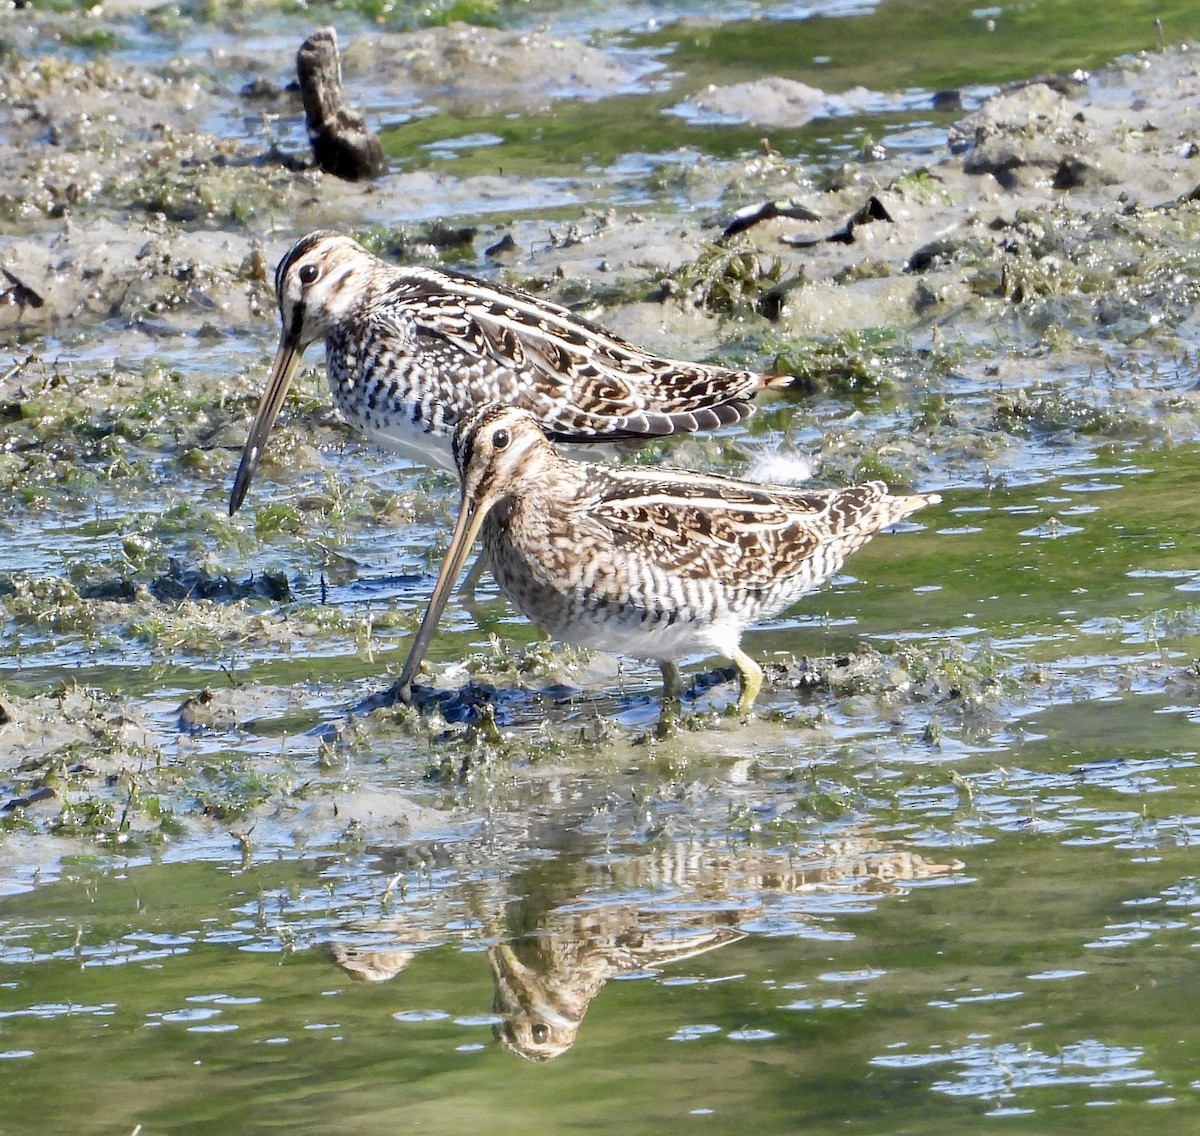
[[655, 563], [411, 351]]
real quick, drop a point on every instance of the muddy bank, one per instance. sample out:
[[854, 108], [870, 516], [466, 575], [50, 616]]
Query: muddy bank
[[106, 165], [1019, 298]]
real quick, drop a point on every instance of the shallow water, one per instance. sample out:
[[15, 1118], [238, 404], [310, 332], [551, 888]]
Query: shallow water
[[944, 878], [1021, 949]]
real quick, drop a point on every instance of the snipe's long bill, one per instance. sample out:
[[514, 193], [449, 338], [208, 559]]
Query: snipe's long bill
[[411, 351], [654, 563]]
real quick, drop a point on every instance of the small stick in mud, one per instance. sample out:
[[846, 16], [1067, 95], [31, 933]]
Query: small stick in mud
[[341, 140]]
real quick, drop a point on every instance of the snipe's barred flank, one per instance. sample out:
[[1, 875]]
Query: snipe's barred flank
[[654, 563], [411, 351]]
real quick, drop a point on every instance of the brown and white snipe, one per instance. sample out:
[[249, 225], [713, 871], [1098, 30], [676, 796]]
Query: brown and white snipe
[[411, 351], [655, 563]]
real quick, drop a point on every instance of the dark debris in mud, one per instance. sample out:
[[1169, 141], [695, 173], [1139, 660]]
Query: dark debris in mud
[[182, 583]]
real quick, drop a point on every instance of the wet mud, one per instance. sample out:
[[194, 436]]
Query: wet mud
[[1020, 299]]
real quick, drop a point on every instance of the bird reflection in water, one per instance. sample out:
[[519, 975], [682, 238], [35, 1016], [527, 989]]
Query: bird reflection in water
[[544, 983], [553, 949]]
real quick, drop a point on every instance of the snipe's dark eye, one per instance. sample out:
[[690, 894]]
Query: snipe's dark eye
[[309, 273], [541, 1033], [500, 440]]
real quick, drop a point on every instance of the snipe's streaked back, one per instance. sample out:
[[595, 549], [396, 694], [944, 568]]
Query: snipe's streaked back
[[411, 351], [654, 563]]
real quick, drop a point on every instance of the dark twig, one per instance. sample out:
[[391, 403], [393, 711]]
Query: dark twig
[[341, 140]]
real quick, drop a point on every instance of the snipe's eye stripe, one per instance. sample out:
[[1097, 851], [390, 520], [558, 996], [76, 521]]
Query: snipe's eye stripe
[[301, 248]]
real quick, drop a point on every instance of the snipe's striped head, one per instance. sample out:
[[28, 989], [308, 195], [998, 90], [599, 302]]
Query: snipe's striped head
[[497, 449], [324, 277], [494, 447]]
